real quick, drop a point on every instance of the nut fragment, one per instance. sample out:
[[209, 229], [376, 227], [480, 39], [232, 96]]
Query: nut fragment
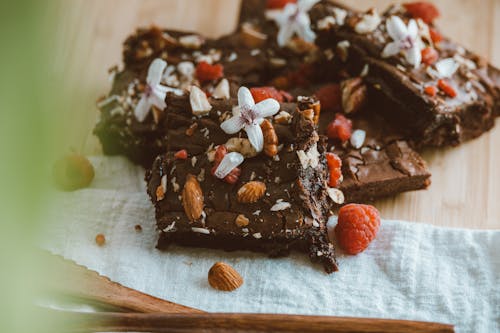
[[100, 240], [73, 172], [192, 198], [242, 146], [270, 138], [161, 189], [223, 277], [199, 102], [191, 129], [242, 221], [353, 94], [222, 90], [251, 192], [251, 37]]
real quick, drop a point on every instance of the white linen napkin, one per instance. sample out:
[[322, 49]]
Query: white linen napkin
[[411, 271]]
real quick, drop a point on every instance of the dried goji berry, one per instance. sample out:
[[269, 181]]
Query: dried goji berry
[[262, 93], [330, 97], [429, 55], [278, 4], [335, 169], [435, 36], [340, 128], [181, 154], [423, 10], [430, 90], [206, 72], [447, 88], [357, 226]]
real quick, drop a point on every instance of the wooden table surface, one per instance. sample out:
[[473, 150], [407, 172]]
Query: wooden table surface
[[465, 189]]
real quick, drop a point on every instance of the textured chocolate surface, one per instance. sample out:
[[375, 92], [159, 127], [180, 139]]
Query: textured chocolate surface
[[398, 88], [299, 225]]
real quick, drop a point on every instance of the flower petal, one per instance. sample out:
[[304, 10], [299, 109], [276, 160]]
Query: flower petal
[[155, 71], [245, 97], [414, 56], [142, 109], [391, 49], [285, 34], [306, 5], [303, 28], [255, 136], [228, 163], [232, 125], [413, 29], [267, 108], [396, 28], [446, 67]]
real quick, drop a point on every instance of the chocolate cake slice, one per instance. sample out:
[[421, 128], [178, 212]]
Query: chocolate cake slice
[[435, 89], [275, 201]]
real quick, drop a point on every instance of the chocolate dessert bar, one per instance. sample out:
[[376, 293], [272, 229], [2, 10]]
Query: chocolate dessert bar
[[273, 201], [439, 92]]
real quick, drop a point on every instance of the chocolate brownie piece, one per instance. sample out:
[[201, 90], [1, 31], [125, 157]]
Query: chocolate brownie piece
[[438, 91], [271, 204]]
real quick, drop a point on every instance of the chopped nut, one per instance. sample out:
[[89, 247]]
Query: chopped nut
[[191, 41], [309, 158], [223, 277], [251, 37], [354, 93], [199, 102], [242, 146], [270, 138], [283, 118], [242, 221], [336, 195], [358, 138], [343, 50], [368, 22], [222, 90], [191, 129], [192, 198], [251, 192], [161, 189], [100, 240], [280, 205]]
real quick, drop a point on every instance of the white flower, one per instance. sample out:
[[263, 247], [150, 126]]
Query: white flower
[[154, 93], [293, 18], [405, 39], [249, 115]]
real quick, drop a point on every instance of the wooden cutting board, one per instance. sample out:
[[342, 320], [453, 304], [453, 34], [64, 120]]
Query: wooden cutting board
[[466, 180]]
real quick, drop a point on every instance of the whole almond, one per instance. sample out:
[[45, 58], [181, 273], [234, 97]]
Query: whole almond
[[192, 198], [251, 192], [354, 93], [223, 277]]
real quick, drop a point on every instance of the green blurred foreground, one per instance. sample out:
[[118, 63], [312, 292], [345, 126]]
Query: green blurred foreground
[[31, 102]]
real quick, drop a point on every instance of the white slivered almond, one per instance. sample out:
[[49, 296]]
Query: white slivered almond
[[199, 102]]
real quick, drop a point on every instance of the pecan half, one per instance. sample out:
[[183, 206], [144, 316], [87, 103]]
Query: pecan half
[[354, 93], [270, 138]]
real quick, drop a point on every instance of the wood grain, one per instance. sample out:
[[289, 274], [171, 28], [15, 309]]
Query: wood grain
[[466, 180], [239, 322]]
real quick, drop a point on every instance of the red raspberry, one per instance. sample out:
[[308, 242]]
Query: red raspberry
[[423, 10], [429, 55], [430, 90], [206, 72], [357, 227], [335, 168], [435, 36], [262, 93], [330, 97], [181, 154], [234, 175], [340, 128], [447, 88], [278, 4]]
